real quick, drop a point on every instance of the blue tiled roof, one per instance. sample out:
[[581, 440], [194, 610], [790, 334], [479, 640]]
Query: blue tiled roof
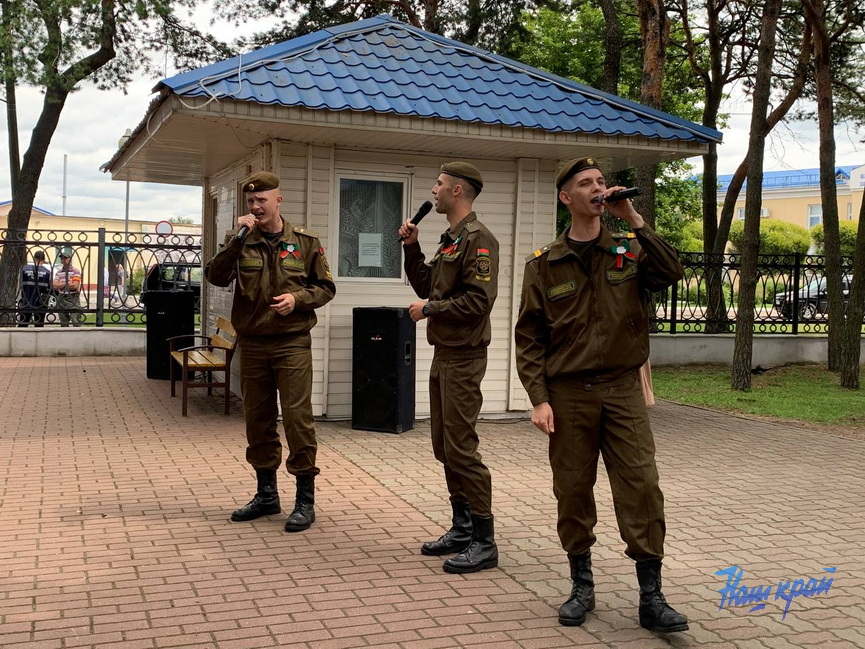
[[384, 65], [793, 178]]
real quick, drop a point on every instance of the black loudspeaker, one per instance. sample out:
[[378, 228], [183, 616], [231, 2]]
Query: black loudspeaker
[[169, 313], [383, 369]]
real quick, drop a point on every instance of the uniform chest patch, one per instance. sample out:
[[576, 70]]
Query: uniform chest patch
[[251, 263], [559, 291], [619, 276], [291, 262]]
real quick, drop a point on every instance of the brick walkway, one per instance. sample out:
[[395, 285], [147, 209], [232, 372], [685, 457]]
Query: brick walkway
[[114, 531]]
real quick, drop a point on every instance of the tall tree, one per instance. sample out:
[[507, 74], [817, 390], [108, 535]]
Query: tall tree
[[492, 24], [852, 336], [655, 35], [57, 45], [829, 27], [743, 350], [8, 72]]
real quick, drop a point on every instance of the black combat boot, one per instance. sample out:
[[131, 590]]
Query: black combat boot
[[582, 599], [457, 538], [655, 614], [482, 552], [265, 501], [303, 514]]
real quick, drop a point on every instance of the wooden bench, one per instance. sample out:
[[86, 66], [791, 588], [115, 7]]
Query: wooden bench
[[214, 355]]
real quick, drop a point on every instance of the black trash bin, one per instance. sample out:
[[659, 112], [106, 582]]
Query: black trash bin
[[383, 369], [169, 313]]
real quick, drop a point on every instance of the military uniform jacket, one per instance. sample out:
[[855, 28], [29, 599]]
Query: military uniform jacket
[[261, 272], [460, 282], [593, 326]]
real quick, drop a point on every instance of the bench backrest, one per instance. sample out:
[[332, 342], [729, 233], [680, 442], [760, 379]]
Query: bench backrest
[[223, 329]]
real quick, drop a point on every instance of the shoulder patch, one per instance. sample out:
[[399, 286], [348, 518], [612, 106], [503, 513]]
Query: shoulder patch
[[305, 231], [537, 253], [473, 226]]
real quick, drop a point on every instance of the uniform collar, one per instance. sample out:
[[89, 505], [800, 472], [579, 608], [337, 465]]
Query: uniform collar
[[459, 227], [560, 248]]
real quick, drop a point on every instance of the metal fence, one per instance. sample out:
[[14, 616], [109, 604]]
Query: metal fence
[[117, 270], [791, 295]]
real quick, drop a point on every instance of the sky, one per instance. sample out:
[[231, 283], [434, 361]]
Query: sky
[[93, 121]]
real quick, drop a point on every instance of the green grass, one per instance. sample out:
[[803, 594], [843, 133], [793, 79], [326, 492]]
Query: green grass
[[808, 393]]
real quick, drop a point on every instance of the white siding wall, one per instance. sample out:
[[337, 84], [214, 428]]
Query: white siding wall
[[517, 205]]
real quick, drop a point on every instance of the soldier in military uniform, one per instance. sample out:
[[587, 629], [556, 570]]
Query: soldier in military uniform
[[280, 277], [458, 287], [581, 337]]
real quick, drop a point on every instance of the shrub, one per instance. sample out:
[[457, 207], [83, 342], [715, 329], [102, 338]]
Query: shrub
[[846, 232], [776, 238]]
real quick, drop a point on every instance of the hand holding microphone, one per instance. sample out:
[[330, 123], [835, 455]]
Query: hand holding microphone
[[423, 210], [246, 223], [620, 195]]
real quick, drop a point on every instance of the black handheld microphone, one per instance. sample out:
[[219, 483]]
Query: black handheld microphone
[[242, 233], [620, 195], [422, 211]]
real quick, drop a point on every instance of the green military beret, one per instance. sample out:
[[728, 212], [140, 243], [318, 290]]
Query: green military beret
[[465, 171], [66, 252], [260, 181], [574, 167]]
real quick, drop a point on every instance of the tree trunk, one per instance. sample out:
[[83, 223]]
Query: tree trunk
[[11, 106], [852, 338], [612, 48], [28, 183], [815, 13], [655, 33], [743, 351]]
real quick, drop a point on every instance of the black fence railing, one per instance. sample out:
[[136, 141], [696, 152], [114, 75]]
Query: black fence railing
[[116, 271], [791, 295]]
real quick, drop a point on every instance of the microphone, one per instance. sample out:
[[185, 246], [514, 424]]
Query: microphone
[[620, 195], [422, 211], [242, 233]]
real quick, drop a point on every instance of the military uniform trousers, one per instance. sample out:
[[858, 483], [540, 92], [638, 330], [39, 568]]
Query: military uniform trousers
[[278, 363], [609, 418], [455, 402]]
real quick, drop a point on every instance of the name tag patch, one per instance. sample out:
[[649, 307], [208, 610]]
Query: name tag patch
[[251, 263], [561, 290], [619, 276], [291, 262]]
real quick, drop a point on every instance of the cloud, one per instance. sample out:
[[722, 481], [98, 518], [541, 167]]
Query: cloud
[[90, 126]]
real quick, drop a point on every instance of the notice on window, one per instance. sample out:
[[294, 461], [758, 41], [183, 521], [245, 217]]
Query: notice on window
[[369, 246]]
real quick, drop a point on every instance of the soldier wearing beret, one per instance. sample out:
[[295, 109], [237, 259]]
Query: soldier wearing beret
[[280, 276], [581, 336], [458, 287]]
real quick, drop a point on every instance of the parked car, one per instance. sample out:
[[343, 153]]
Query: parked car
[[813, 298], [172, 276]]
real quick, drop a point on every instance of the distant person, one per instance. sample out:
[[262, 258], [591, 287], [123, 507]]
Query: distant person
[[458, 286], [581, 336], [35, 289], [118, 292], [67, 285], [280, 276]]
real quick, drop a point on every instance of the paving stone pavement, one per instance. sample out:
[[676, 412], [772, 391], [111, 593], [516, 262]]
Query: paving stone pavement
[[114, 530]]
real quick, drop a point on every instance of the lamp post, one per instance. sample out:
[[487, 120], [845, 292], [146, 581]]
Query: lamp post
[[120, 144]]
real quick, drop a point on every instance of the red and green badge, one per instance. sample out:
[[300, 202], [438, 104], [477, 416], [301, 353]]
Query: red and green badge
[[289, 249], [622, 250], [451, 249]]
